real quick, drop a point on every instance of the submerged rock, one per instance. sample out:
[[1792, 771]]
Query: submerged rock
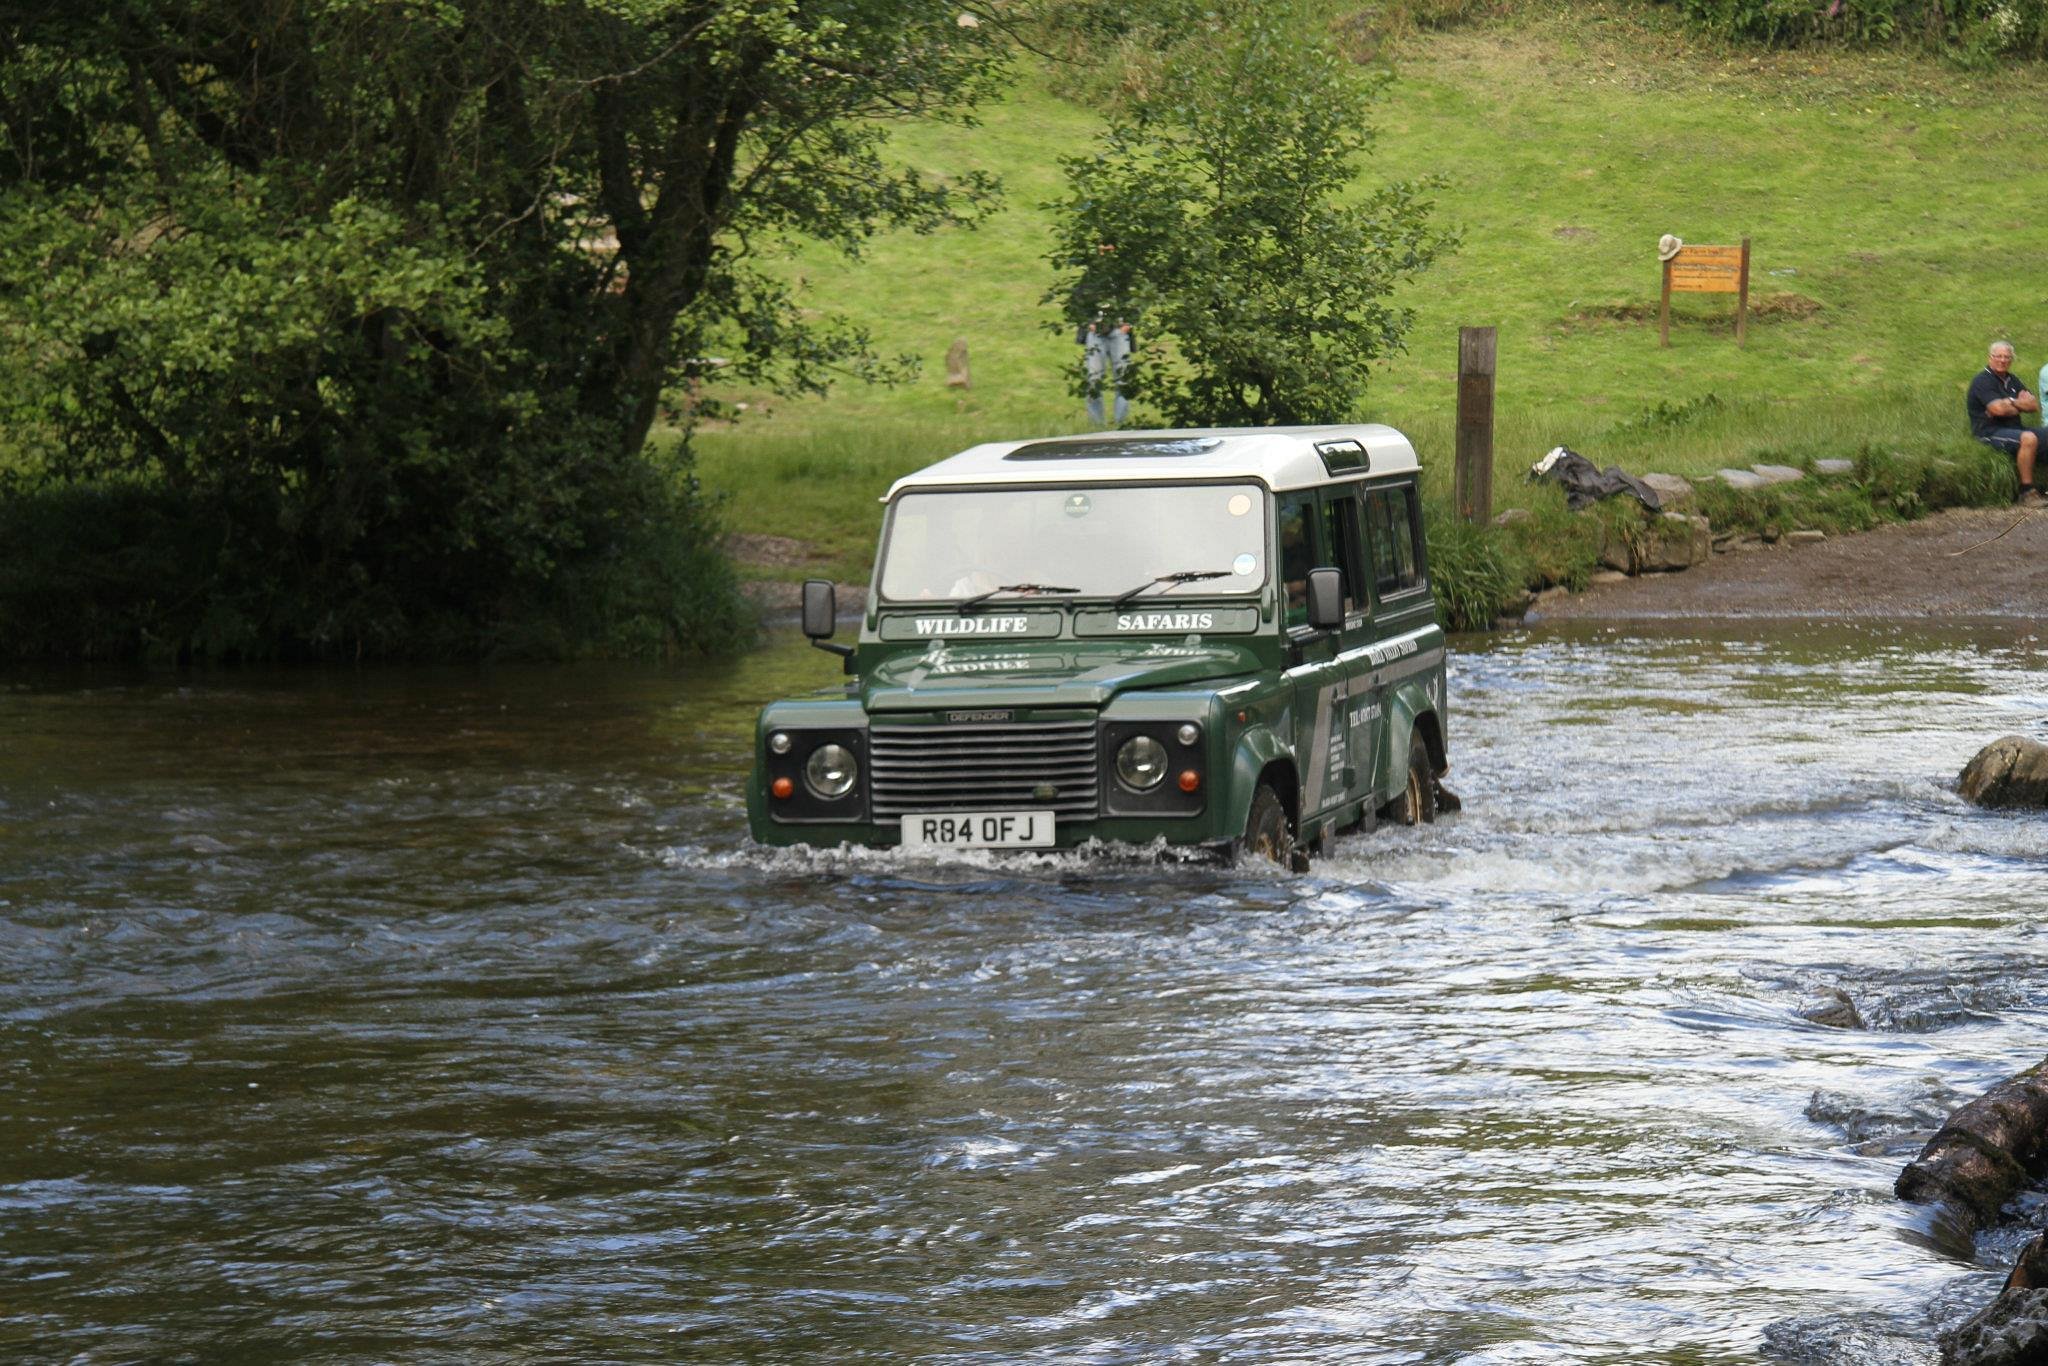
[[1835, 1010], [2010, 771]]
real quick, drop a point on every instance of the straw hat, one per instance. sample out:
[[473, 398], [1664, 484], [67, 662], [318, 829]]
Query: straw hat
[[1667, 246]]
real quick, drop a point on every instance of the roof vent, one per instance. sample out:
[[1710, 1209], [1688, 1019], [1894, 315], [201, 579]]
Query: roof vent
[[1344, 457], [1118, 448]]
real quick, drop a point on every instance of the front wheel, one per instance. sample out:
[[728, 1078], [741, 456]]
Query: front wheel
[[1418, 803], [1266, 835]]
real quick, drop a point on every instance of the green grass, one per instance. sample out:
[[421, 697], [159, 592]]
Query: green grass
[[1887, 252]]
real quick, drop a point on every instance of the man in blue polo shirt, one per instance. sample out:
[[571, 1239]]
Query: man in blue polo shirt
[[1996, 400]]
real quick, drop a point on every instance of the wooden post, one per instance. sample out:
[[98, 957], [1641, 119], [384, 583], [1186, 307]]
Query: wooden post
[[1476, 350], [1664, 310], [1742, 299]]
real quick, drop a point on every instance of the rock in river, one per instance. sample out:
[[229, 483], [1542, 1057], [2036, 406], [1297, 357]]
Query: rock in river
[[2010, 771], [2011, 1331], [1985, 1152]]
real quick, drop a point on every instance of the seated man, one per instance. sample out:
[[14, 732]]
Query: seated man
[[1995, 403]]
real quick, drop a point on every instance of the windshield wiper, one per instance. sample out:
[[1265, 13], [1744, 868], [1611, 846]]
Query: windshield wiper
[[979, 598], [1178, 576]]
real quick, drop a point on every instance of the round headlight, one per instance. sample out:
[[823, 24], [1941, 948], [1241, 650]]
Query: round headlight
[[830, 771], [779, 742], [1141, 763]]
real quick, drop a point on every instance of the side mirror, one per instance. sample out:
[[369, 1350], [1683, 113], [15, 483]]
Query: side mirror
[[1325, 599], [821, 616], [821, 609]]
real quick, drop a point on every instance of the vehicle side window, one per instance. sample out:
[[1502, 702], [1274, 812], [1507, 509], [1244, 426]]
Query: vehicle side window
[[1340, 536], [1297, 557], [1390, 514]]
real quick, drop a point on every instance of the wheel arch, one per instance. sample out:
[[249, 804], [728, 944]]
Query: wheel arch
[[1432, 731], [1261, 757]]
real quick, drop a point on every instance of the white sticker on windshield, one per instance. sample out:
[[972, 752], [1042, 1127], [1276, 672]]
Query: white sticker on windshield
[[1244, 564]]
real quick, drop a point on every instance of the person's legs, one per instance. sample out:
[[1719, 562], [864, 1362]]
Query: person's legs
[[2022, 444], [1096, 366]]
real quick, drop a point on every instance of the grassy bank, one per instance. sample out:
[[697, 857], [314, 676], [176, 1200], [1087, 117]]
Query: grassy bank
[[1568, 140]]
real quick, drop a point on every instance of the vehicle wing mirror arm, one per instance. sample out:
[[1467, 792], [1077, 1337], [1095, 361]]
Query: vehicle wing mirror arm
[[1325, 598], [820, 614]]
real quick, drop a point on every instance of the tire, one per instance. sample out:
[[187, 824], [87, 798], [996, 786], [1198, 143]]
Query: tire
[[1418, 804], [1266, 835]]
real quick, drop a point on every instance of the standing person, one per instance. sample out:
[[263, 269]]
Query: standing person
[[1995, 403], [1107, 351]]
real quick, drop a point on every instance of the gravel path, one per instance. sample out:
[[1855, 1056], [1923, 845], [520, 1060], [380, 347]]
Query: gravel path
[[1896, 573]]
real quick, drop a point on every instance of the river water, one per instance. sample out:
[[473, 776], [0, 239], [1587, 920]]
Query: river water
[[449, 1015]]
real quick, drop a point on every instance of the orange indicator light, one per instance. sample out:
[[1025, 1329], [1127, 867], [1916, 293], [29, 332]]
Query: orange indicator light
[[782, 787], [1189, 780]]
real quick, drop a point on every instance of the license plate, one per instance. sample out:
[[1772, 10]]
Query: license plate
[[979, 830]]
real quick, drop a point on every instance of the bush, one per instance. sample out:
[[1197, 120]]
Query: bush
[[1974, 30], [126, 566]]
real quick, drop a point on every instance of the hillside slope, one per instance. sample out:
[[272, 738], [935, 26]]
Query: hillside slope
[[1884, 196]]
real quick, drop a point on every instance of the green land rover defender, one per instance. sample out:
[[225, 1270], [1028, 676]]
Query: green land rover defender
[[1222, 639]]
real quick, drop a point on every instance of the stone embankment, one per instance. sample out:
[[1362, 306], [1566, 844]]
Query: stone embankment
[[1676, 539]]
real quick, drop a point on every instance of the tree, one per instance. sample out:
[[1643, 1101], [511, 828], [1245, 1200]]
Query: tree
[[377, 304], [1219, 215]]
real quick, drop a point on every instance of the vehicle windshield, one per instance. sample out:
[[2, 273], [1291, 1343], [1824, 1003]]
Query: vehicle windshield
[[1100, 541]]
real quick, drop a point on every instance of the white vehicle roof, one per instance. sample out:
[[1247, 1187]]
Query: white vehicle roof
[[1279, 457]]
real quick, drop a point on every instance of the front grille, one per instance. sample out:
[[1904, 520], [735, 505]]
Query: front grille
[[987, 767]]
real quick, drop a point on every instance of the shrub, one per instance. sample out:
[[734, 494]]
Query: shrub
[[1973, 30]]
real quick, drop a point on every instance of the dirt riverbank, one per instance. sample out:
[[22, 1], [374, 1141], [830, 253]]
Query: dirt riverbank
[[1924, 570]]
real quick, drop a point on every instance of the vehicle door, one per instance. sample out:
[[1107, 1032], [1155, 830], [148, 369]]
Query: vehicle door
[[1322, 744], [1356, 737], [1402, 611], [1312, 671]]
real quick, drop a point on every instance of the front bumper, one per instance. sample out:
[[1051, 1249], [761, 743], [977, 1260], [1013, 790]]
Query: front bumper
[[1068, 832], [941, 763]]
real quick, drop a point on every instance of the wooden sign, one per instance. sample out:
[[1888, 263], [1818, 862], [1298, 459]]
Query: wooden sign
[[1707, 270]]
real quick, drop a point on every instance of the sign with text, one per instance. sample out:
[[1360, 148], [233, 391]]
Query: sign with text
[[1707, 270]]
